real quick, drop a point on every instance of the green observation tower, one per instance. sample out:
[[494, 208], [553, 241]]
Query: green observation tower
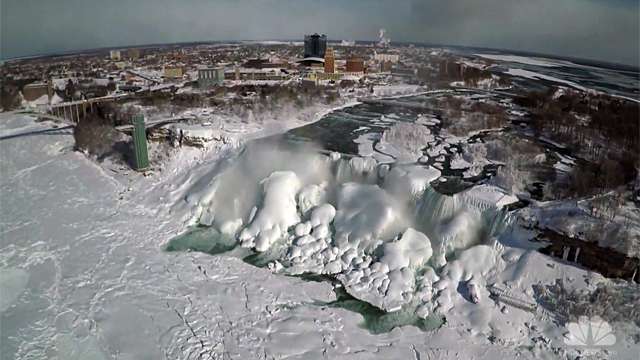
[[140, 143]]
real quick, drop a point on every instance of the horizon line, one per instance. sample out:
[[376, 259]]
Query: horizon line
[[577, 60]]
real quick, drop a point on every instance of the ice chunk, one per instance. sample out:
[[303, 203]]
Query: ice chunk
[[388, 283], [412, 250], [320, 231], [303, 229], [231, 227], [323, 214], [474, 291], [311, 195]]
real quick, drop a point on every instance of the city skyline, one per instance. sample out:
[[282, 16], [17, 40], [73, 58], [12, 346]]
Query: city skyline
[[588, 29]]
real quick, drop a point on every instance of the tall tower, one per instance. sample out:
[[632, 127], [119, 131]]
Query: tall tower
[[140, 143], [49, 90], [329, 61]]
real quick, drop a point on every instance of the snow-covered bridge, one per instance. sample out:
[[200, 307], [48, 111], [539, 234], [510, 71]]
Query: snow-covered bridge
[[76, 110], [123, 128]]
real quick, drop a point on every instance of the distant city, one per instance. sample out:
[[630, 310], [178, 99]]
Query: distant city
[[126, 71]]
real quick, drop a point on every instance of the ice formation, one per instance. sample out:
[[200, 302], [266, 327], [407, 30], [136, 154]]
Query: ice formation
[[379, 229], [277, 214]]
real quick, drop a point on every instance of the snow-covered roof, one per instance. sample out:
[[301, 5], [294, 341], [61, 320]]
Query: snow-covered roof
[[317, 59]]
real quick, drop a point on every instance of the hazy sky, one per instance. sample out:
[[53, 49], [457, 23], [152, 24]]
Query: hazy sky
[[596, 29]]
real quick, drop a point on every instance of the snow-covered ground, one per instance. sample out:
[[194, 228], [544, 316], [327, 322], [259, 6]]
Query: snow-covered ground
[[526, 60], [83, 273], [537, 76]]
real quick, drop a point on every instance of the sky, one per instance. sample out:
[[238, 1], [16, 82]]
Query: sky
[[606, 30]]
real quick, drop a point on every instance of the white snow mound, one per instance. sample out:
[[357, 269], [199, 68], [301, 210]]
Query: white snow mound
[[277, 213]]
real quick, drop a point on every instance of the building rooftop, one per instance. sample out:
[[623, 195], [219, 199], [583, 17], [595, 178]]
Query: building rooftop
[[312, 59]]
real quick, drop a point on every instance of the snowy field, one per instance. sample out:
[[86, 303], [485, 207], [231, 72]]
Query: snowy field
[[86, 271]]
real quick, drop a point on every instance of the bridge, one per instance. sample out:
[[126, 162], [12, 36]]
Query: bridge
[[122, 128], [47, 116], [75, 110], [157, 122]]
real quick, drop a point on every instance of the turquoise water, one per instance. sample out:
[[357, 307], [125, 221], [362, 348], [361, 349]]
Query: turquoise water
[[202, 239], [210, 241], [377, 321]]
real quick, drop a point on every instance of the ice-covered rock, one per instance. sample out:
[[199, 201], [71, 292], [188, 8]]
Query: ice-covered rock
[[311, 195], [277, 213], [361, 165], [468, 270], [389, 282], [365, 214], [460, 231], [323, 214], [303, 229], [383, 170], [231, 228], [412, 250], [473, 288], [410, 181]]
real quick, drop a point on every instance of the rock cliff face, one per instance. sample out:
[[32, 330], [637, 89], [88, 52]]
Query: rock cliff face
[[192, 136], [606, 261]]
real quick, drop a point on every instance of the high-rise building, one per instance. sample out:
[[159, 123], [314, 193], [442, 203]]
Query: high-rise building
[[386, 66], [394, 58], [133, 54], [210, 76], [329, 62], [115, 55], [315, 45]]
